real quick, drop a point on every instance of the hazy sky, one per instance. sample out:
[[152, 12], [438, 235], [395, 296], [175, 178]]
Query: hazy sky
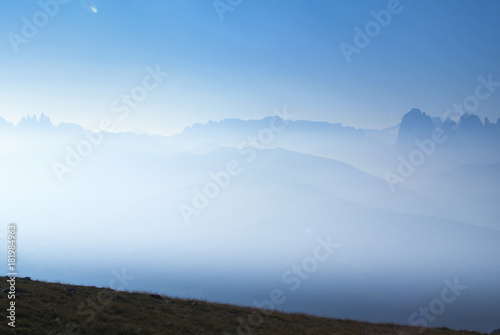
[[262, 55]]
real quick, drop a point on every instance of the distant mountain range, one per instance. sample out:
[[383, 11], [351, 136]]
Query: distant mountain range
[[253, 196], [415, 125], [465, 141], [413, 155], [42, 123]]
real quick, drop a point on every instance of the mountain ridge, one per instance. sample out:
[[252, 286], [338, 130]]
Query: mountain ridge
[[414, 114]]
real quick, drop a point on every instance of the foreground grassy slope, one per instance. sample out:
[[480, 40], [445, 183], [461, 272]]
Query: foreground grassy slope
[[51, 308]]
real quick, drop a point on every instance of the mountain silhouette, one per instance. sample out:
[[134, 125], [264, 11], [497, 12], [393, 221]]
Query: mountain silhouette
[[415, 125]]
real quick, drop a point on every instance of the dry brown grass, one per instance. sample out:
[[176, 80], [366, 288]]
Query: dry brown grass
[[53, 308]]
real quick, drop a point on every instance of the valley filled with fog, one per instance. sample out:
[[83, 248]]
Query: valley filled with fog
[[349, 223]]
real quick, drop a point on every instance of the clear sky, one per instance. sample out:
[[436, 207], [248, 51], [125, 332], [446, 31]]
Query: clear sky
[[262, 55]]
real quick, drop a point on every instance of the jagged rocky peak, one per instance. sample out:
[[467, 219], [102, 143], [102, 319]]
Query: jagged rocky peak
[[470, 122], [43, 122], [415, 124]]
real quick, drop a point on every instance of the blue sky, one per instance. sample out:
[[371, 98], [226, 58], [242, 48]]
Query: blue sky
[[263, 55]]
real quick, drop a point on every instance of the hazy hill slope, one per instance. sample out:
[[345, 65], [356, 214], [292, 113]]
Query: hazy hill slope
[[50, 308]]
